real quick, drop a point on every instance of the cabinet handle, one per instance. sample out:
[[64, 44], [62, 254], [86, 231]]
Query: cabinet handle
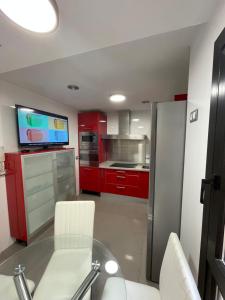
[[120, 187], [121, 177], [121, 172]]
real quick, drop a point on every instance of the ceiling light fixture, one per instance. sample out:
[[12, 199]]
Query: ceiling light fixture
[[73, 87], [117, 98], [38, 16], [135, 120]]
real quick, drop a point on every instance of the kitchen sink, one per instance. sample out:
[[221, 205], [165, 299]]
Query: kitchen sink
[[124, 165]]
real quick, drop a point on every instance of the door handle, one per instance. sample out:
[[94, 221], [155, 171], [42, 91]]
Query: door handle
[[215, 182], [120, 187]]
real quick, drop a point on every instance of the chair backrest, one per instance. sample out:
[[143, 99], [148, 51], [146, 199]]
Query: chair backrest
[[176, 280], [74, 218]]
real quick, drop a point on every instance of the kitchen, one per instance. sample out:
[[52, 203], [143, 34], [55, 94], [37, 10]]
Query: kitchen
[[137, 157], [111, 115], [114, 152]]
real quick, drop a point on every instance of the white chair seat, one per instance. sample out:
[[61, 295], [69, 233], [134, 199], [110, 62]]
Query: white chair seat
[[63, 275], [8, 288], [119, 289], [176, 280], [136, 291]]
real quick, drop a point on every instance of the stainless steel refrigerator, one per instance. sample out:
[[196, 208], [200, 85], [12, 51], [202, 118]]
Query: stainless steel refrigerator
[[168, 123]]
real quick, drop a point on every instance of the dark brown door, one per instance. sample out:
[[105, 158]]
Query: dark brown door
[[211, 281]]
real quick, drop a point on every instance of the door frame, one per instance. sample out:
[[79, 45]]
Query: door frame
[[211, 268]]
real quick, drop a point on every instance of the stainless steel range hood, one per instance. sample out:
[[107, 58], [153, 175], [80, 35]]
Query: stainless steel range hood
[[124, 128]]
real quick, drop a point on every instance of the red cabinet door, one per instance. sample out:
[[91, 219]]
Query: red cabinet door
[[88, 121], [122, 177], [144, 185], [90, 179], [123, 182]]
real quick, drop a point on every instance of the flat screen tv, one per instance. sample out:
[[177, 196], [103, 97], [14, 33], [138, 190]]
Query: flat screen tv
[[40, 128]]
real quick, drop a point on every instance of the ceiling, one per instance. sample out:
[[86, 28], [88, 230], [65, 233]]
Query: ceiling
[[152, 69], [140, 49], [86, 25]]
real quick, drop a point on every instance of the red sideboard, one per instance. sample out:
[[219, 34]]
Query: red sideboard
[[34, 182]]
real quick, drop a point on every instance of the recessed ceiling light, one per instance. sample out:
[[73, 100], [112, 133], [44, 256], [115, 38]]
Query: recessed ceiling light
[[37, 16], [117, 98], [135, 120], [140, 127], [73, 87]]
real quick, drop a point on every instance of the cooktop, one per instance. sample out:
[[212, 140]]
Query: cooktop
[[123, 165]]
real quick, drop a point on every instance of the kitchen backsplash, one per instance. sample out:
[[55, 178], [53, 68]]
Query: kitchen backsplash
[[130, 150], [126, 150]]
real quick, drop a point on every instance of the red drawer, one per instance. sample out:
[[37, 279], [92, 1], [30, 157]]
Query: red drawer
[[122, 177], [90, 179], [123, 182], [122, 190]]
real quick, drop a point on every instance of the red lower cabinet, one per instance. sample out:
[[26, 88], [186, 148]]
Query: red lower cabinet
[[120, 182], [90, 179], [123, 182]]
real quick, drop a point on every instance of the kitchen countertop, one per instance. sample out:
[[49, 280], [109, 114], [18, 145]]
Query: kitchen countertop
[[107, 165]]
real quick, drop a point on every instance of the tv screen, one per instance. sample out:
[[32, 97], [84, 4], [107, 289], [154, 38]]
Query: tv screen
[[39, 128]]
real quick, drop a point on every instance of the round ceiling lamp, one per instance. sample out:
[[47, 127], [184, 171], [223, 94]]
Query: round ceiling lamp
[[117, 98], [35, 15]]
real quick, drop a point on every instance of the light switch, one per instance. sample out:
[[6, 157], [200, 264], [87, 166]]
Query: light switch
[[2, 161], [194, 116]]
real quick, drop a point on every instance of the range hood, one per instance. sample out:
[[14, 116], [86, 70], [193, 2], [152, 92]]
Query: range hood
[[124, 128]]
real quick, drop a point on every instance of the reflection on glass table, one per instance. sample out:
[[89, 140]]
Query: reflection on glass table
[[62, 267]]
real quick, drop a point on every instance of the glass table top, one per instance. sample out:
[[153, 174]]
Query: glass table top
[[58, 266]]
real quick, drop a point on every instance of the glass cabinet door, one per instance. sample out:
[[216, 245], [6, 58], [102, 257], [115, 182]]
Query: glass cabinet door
[[47, 177], [65, 176], [39, 190]]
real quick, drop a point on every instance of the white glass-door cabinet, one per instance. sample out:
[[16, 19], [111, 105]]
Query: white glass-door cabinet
[[35, 181]]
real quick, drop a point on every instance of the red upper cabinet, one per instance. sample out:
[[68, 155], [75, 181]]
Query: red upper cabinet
[[87, 121], [92, 121]]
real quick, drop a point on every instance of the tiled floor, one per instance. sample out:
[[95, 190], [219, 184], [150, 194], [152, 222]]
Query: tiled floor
[[121, 224]]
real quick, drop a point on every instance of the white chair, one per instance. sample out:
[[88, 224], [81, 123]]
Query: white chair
[[74, 218], [176, 281], [64, 272], [8, 288]]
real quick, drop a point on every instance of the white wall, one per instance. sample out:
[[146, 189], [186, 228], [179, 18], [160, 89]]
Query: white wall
[[199, 91], [11, 95]]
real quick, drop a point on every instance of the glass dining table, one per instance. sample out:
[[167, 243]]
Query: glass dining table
[[64, 267]]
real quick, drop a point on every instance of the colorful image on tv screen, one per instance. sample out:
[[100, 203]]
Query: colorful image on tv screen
[[37, 128]]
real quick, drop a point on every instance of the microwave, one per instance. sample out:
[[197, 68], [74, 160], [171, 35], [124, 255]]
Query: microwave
[[88, 140]]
